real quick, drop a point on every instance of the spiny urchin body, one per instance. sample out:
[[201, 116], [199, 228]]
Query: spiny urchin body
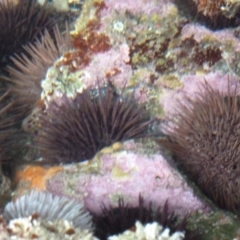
[[48, 207], [10, 137], [205, 140], [215, 14], [114, 221], [29, 69], [21, 23], [74, 130]]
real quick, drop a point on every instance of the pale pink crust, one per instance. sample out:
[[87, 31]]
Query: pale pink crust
[[201, 33], [128, 174], [138, 6], [192, 86], [113, 63]]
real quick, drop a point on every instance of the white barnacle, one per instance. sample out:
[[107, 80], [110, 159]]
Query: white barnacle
[[118, 26]]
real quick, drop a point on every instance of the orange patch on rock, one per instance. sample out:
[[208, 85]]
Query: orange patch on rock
[[35, 177]]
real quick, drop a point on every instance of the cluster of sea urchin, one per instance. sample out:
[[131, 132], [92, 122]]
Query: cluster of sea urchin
[[23, 22], [48, 207], [206, 142], [73, 130], [29, 69], [24, 90], [114, 221]]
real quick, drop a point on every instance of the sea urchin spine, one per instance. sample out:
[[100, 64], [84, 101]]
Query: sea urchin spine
[[29, 69], [114, 221], [21, 23], [206, 142]]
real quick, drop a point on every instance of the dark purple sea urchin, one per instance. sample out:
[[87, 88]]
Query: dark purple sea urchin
[[75, 130], [29, 69], [22, 23], [114, 221], [205, 140], [7, 130]]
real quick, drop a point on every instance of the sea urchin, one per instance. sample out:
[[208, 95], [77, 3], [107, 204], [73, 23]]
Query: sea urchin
[[206, 142], [22, 23], [10, 137], [29, 69], [114, 221], [73, 130]]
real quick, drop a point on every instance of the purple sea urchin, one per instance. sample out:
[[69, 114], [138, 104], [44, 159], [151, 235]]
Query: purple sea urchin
[[21, 23], [48, 207], [9, 140], [75, 130], [205, 141], [114, 221], [30, 69]]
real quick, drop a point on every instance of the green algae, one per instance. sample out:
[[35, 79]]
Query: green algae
[[88, 13], [62, 81], [215, 225], [118, 174], [171, 82], [5, 190]]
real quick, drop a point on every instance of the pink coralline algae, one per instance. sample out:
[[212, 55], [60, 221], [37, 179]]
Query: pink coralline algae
[[116, 66], [193, 85], [127, 174], [138, 6]]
